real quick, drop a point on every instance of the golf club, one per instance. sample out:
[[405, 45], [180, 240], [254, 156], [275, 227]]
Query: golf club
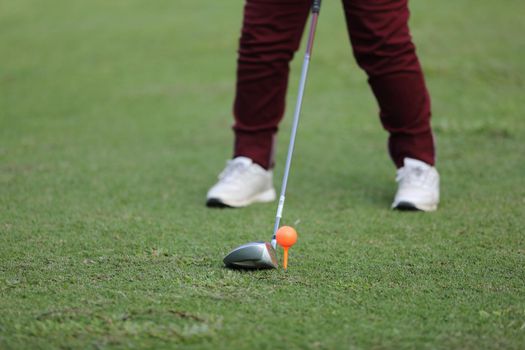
[[261, 255]]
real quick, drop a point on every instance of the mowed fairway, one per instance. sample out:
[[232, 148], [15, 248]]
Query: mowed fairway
[[115, 119]]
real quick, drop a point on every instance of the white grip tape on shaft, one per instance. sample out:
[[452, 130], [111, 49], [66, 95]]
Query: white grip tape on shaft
[[280, 207]]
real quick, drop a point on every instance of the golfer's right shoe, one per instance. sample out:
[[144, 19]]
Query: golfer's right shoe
[[418, 186], [241, 183]]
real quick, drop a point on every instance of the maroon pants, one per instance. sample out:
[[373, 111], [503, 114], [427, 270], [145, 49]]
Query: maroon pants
[[382, 46]]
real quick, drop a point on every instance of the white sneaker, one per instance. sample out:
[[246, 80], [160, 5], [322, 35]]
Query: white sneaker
[[241, 183], [418, 186]]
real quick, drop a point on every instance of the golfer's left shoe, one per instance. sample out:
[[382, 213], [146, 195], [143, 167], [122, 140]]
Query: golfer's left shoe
[[418, 186], [240, 184]]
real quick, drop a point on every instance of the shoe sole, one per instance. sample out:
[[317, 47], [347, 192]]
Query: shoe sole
[[409, 206], [216, 203], [264, 197]]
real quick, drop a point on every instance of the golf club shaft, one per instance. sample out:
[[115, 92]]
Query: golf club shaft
[[316, 7]]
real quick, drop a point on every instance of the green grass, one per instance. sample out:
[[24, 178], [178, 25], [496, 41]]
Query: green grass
[[114, 121]]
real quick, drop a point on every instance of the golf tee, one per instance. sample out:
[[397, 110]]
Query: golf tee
[[285, 260]]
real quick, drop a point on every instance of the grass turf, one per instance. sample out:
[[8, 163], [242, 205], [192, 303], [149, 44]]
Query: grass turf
[[114, 120]]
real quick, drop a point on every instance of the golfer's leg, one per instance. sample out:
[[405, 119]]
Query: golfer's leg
[[271, 33], [383, 47]]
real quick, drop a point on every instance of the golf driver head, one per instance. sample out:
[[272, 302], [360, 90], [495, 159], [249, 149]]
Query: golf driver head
[[255, 255]]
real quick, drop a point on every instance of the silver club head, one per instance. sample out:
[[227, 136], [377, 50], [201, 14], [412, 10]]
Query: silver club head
[[255, 255]]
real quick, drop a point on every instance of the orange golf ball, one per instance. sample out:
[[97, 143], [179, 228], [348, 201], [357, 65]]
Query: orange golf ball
[[286, 236]]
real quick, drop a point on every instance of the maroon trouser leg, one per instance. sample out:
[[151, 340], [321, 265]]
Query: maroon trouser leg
[[382, 46]]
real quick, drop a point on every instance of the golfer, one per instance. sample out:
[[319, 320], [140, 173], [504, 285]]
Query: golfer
[[383, 48]]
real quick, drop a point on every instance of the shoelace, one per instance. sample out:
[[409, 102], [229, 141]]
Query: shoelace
[[413, 176], [232, 169]]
